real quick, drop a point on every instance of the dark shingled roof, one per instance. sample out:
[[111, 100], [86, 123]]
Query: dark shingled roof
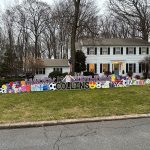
[[114, 42], [56, 62]]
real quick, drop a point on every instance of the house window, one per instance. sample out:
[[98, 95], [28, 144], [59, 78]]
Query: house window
[[57, 69], [131, 67], [104, 67], [92, 51], [143, 67], [92, 68], [105, 51], [130, 50], [40, 71], [144, 50], [118, 50]]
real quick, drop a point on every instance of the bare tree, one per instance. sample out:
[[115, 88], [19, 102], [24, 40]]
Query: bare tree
[[36, 29], [134, 12], [49, 34], [36, 17], [10, 55], [23, 35], [77, 19], [111, 27]]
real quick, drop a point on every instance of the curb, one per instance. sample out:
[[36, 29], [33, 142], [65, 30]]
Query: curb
[[70, 121]]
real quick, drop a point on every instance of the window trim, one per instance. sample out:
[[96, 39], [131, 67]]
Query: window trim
[[143, 68], [146, 50], [59, 69], [118, 48], [92, 48], [129, 50], [102, 51], [108, 67], [94, 69], [142, 49], [40, 71], [133, 67]]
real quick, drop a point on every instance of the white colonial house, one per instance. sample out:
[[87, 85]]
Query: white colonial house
[[118, 55], [50, 65]]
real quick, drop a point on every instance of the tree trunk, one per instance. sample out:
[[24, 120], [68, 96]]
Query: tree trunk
[[145, 35], [73, 34], [73, 52], [36, 48]]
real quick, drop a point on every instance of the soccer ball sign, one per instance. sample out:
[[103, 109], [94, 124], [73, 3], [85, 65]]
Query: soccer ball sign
[[98, 85], [52, 86]]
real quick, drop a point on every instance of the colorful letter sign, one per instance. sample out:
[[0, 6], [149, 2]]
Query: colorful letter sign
[[79, 83]]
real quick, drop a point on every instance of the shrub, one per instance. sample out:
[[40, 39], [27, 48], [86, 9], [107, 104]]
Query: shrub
[[107, 73], [130, 73], [145, 75], [29, 75], [55, 74], [137, 77], [88, 73], [64, 74]]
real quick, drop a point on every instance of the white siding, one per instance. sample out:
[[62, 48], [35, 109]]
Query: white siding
[[106, 59], [49, 70], [98, 59]]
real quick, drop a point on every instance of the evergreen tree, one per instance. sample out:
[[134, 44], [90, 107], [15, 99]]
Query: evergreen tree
[[80, 61]]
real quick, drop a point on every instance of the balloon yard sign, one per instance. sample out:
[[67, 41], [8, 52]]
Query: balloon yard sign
[[90, 83]]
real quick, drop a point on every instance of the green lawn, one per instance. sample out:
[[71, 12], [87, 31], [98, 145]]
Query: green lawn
[[53, 105]]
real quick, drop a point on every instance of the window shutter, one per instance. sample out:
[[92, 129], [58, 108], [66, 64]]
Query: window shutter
[[87, 68], [43, 70], [127, 67], [114, 50], [139, 50], [88, 51], [121, 50], [100, 68], [101, 51], [61, 70], [37, 71], [108, 50], [134, 50], [95, 68], [134, 68], [127, 50], [146, 67], [108, 67], [147, 50], [95, 50], [140, 67]]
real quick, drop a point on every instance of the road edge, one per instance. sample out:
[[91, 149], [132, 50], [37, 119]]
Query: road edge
[[70, 121]]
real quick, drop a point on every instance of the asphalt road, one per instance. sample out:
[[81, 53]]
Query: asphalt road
[[110, 135]]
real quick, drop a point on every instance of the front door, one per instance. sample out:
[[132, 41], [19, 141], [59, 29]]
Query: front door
[[116, 69]]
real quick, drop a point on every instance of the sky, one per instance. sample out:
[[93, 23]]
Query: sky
[[6, 3]]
